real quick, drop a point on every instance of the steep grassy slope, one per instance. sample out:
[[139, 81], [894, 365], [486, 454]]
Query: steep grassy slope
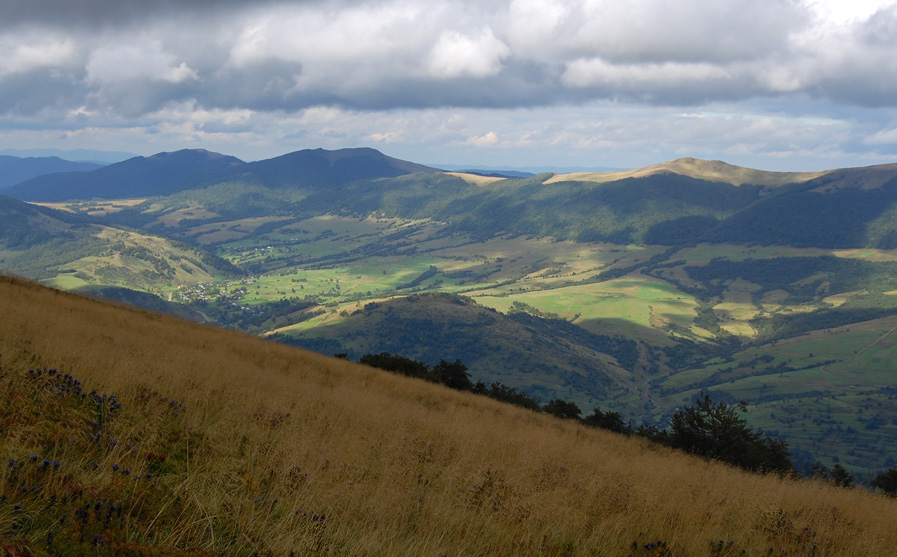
[[201, 441]]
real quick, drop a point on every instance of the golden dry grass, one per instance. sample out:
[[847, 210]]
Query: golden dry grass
[[476, 179], [275, 438], [714, 171]]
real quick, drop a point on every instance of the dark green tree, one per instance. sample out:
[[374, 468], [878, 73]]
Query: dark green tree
[[397, 364], [819, 471], [562, 409], [504, 393], [886, 482], [452, 374], [840, 476], [607, 420], [716, 430]]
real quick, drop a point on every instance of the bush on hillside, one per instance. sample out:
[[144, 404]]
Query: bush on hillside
[[612, 421], [886, 482], [562, 409], [453, 375], [715, 430]]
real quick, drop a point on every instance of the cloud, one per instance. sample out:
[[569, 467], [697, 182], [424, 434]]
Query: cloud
[[456, 55], [366, 70], [414, 54], [23, 54], [95, 14], [117, 63], [882, 137], [486, 140], [652, 31]]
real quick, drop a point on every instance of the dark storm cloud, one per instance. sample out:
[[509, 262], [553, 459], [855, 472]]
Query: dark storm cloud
[[99, 13]]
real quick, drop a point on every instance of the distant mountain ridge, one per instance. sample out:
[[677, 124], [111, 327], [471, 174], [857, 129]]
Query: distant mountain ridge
[[75, 155], [712, 171], [169, 173], [316, 167], [678, 202], [14, 170], [160, 174]]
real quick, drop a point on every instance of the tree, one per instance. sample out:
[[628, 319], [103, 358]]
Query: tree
[[397, 364], [819, 471], [612, 421], [562, 409], [886, 482], [452, 374], [840, 476], [504, 393], [715, 430]]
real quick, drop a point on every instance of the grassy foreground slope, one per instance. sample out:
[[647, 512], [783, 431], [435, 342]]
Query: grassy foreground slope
[[199, 440]]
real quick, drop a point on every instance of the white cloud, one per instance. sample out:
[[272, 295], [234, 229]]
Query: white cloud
[[487, 140], [883, 137], [388, 137], [26, 53], [583, 73], [457, 55]]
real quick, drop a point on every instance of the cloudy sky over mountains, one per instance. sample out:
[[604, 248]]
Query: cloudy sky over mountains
[[780, 85]]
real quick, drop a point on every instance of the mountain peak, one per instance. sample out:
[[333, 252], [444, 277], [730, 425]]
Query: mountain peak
[[316, 167], [710, 170], [159, 174]]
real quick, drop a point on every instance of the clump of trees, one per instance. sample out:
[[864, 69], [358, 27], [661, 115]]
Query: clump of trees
[[838, 475], [714, 430], [710, 429], [886, 482], [451, 374]]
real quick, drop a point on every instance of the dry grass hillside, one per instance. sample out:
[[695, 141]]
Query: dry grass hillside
[[203, 441], [713, 171]]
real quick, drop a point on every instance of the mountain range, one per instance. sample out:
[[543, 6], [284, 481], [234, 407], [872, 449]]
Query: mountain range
[[14, 170], [630, 290]]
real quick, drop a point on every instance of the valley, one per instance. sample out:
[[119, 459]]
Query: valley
[[608, 291]]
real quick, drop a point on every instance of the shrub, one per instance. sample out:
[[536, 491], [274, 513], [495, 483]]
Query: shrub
[[715, 430]]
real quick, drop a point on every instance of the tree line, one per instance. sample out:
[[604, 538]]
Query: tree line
[[707, 428]]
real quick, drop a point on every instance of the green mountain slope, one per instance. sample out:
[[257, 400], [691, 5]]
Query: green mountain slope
[[72, 251], [838, 209], [169, 173], [319, 168], [545, 357]]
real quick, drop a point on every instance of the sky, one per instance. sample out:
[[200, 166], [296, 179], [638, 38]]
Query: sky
[[769, 84]]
